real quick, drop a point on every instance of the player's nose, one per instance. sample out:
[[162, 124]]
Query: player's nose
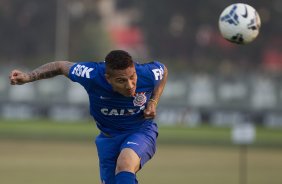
[[129, 85]]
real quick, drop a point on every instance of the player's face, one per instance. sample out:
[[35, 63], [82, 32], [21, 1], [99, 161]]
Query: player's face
[[123, 81]]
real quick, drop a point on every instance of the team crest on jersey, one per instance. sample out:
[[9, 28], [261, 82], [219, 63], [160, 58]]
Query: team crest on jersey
[[139, 99]]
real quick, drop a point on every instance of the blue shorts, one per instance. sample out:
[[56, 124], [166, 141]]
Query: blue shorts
[[143, 142]]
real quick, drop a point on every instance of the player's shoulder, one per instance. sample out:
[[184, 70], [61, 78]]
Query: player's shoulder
[[152, 71], [89, 64], [86, 69], [149, 65]]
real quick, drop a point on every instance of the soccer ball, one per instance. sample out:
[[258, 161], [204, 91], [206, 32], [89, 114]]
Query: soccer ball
[[239, 23]]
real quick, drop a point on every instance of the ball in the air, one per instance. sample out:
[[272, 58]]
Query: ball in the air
[[239, 23]]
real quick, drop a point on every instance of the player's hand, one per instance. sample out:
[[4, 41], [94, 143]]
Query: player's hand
[[18, 77], [150, 111]]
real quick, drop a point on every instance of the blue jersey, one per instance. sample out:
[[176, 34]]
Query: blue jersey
[[113, 112]]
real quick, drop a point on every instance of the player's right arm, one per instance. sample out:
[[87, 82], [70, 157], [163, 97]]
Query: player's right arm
[[46, 71]]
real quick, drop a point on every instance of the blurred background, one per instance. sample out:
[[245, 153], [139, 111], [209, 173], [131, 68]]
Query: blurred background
[[213, 86]]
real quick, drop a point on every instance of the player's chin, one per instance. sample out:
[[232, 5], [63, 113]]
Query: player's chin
[[130, 93]]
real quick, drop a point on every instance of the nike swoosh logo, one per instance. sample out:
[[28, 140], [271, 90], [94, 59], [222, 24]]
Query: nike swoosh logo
[[132, 143], [246, 13], [104, 98]]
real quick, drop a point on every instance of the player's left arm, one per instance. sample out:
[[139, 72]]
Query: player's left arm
[[150, 111]]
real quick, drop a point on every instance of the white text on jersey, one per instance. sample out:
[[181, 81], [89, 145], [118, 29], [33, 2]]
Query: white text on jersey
[[121, 112], [158, 73], [82, 71]]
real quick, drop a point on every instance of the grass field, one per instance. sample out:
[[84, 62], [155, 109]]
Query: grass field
[[48, 152], [86, 131]]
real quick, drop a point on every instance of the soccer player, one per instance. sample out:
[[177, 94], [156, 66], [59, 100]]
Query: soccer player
[[123, 97]]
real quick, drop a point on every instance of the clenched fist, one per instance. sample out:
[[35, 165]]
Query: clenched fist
[[18, 77], [150, 111]]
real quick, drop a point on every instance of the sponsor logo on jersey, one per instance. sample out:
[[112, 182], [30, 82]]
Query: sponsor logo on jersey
[[139, 99], [121, 112], [158, 73], [82, 71]]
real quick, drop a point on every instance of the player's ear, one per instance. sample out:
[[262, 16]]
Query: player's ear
[[107, 76]]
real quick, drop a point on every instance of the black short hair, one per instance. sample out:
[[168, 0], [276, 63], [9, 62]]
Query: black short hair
[[118, 60]]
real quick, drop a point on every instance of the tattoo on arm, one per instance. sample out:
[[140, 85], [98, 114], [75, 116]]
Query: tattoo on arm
[[65, 67], [50, 70]]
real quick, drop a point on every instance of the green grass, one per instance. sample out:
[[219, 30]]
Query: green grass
[[46, 129], [43, 151], [216, 135], [86, 130], [45, 162]]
